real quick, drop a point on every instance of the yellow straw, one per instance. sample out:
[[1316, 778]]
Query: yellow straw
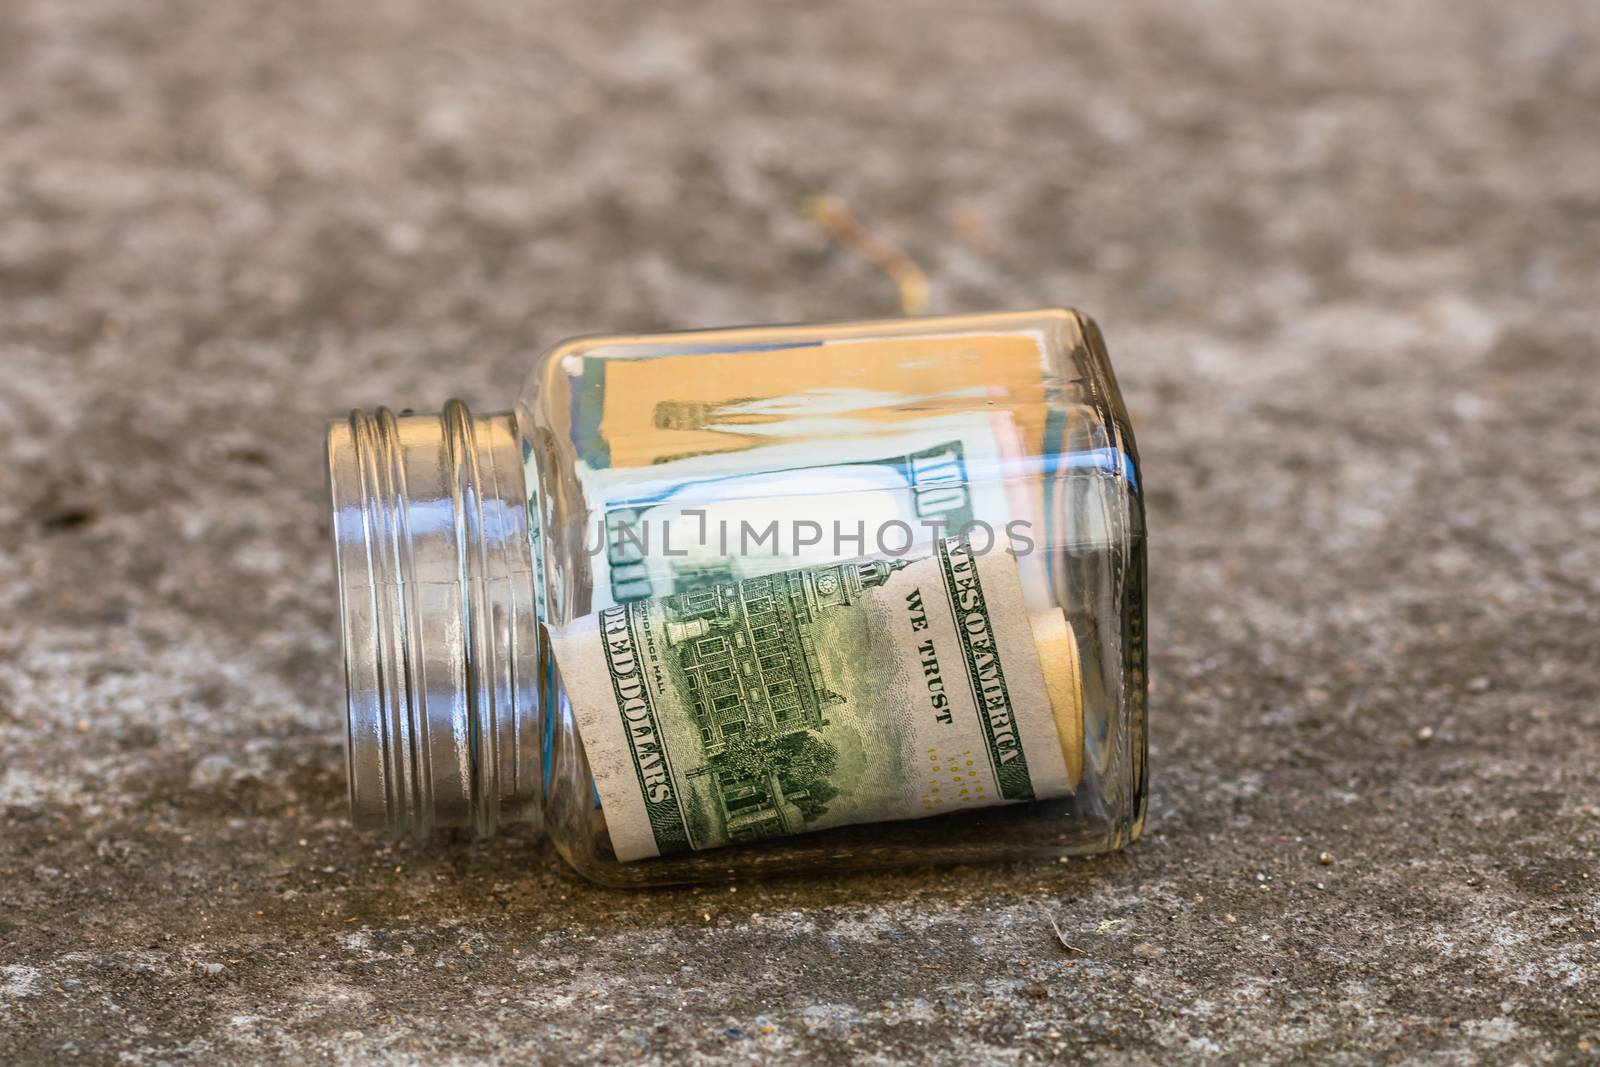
[[832, 215]]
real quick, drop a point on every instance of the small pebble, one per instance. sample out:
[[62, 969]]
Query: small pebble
[[1424, 735], [1325, 858]]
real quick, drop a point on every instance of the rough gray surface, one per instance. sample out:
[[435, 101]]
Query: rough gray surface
[[1347, 265]]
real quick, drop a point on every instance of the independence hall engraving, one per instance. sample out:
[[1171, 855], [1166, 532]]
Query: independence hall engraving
[[750, 665]]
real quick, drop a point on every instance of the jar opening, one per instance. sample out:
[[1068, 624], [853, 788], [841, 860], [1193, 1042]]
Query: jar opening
[[437, 623]]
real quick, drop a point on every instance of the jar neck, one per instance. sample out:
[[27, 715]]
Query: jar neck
[[437, 620]]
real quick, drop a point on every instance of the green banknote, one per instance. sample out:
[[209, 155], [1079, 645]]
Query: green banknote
[[859, 691]]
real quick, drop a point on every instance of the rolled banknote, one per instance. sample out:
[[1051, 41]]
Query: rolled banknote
[[860, 691]]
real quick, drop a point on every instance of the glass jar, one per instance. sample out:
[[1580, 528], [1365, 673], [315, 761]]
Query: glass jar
[[769, 517]]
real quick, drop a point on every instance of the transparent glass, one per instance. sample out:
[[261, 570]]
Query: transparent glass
[[835, 424]]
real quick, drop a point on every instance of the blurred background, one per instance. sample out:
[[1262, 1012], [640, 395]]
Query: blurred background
[[1345, 260]]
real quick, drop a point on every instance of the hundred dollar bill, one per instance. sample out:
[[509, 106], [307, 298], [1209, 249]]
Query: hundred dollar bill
[[852, 692]]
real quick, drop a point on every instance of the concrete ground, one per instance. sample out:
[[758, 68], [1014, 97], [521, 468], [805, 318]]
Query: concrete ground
[[1347, 263]]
